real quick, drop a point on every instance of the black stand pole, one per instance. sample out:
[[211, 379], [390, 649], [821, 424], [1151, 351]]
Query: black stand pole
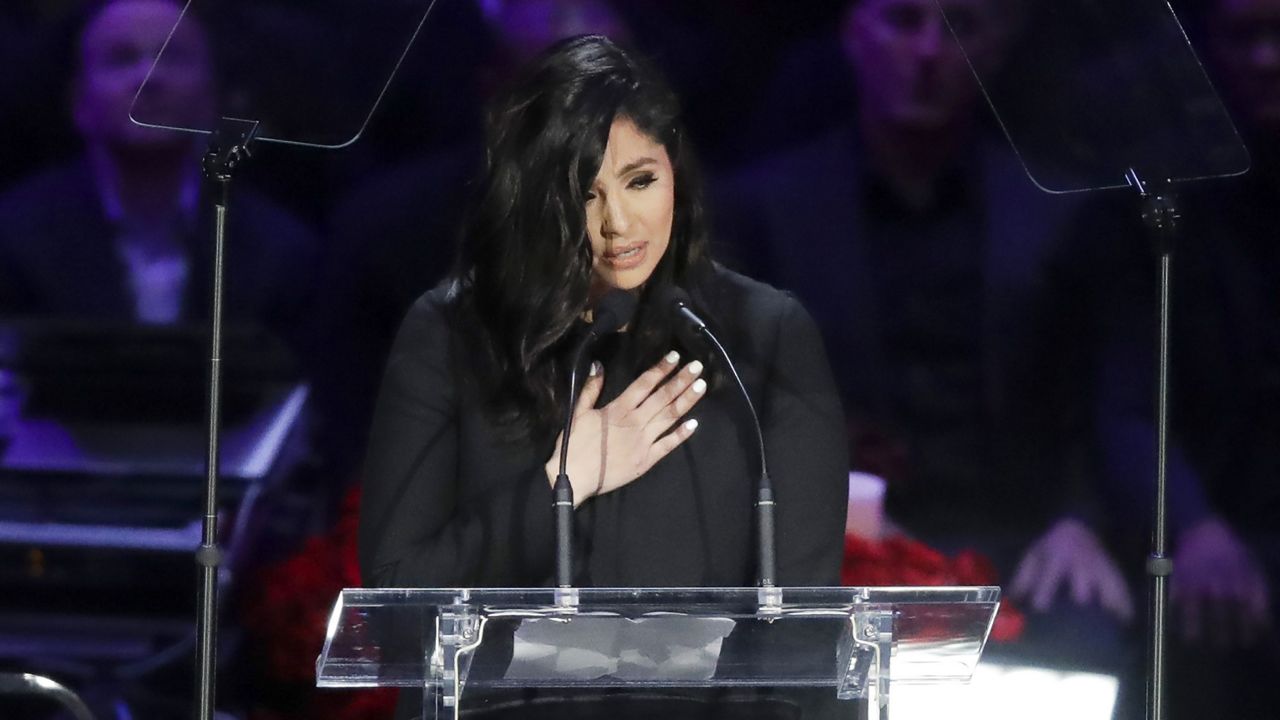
[[227, 149], [1160, 215]]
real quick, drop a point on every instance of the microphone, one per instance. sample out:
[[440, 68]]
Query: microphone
[[679, 302], [610, 314]]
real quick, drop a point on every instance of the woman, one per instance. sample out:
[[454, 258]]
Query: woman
[[589, 186]]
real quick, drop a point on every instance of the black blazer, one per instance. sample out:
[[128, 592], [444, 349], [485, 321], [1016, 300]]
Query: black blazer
[[57, 257], [447, 502]]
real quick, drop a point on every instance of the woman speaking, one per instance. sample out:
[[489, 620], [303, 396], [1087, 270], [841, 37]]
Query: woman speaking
[[589, 188]]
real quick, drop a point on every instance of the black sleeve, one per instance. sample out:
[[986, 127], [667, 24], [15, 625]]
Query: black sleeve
[[807, 453], [415, 531]]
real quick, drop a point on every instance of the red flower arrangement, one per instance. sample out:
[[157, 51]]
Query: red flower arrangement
[[900, 561], [285, 619]]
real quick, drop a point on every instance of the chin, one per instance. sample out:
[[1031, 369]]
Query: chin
[[630, 280]]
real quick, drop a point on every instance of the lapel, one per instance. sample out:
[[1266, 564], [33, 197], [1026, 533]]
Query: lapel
[[1021, 223], [85, 269], [199, 240], [828, 254]]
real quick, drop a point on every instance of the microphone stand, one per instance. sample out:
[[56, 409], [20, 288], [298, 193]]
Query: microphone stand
[[1160, 215], [766, 549], [228, 148], [612, 312], [563, 489]]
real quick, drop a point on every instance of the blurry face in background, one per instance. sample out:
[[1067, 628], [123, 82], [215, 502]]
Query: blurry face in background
[[116, 52], [529, 26], [909, 69], [630, 208], [1244, 45]]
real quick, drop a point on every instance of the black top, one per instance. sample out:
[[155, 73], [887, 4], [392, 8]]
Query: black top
[[927, 275], [448, 502]]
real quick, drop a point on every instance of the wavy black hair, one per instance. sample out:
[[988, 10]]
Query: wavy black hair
[[524, 263]]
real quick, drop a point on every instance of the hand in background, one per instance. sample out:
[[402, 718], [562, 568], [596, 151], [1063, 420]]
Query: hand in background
[[1070, 556], [1218, 587]]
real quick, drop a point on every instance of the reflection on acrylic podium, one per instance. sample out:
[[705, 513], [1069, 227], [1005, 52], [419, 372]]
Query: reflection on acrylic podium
[[474, 651]]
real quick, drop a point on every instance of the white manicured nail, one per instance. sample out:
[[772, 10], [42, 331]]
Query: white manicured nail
[[594, 370], [691, 425], [672, 357], [699, 386], [694, 367]]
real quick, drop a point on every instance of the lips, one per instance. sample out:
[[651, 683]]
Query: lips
[[625, 258]]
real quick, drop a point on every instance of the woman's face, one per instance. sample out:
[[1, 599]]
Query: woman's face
[[629, 209]]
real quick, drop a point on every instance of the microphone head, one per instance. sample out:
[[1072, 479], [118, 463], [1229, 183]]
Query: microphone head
[[678, 302], [675, 296], [613, 311]]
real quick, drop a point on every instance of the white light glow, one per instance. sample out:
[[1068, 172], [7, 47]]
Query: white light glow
[[1010, 692]]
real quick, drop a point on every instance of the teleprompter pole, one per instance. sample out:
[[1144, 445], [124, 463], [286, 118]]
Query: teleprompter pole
[[228, 148], [1160, 216]]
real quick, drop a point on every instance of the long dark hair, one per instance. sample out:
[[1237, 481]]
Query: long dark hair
[[524, 262]]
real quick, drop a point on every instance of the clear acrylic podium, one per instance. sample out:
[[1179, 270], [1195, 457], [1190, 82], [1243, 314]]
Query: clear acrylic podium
[[463, 647]]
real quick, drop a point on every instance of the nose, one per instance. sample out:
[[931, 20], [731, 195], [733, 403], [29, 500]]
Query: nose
[[614, 220]]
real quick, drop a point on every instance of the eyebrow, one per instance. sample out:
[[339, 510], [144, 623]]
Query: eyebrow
[[636, 164]]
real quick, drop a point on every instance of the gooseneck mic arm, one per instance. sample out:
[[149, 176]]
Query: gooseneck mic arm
[[767, 556], [563, 489], [612, 312]]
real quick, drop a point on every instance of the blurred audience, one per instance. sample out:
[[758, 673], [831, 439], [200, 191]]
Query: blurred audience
[[122, 232], [920, 245], [32, 130]]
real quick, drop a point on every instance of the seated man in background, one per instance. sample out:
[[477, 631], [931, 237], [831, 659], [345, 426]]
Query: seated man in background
[[118, 246], [122, 233], [919, 246]]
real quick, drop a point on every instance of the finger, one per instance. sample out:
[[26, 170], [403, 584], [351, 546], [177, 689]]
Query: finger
[[663, 422], [1047, 587], [1024, 578], [642, 387], [676, 411], [659, 403], [1114, 594], [663, 446], [1082, 585], [590, 393]]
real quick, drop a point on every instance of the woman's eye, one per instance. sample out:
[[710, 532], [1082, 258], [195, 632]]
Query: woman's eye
[[591, 196], [642, 181]]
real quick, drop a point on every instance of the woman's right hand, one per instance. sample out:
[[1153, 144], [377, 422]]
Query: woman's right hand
[[611, 446]]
